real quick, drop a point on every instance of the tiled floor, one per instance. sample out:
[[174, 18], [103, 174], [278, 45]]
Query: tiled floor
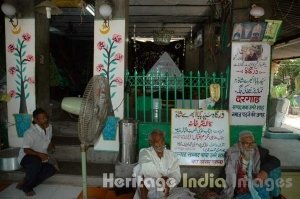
[[43, 191]]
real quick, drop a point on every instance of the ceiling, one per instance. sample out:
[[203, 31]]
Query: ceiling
[[174, 15], [178, 16], [288, 44]]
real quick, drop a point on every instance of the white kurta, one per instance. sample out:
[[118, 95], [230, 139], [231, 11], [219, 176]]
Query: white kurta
[[152, 168], [36, 139]]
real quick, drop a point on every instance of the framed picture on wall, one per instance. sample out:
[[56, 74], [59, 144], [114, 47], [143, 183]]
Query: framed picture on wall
[[272, 30], [248, 31], [237, 32], [257, 31]]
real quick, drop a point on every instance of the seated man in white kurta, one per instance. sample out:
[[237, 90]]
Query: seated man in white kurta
[[158, 171]]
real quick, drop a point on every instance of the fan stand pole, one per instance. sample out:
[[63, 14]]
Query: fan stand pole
[[83, 149]]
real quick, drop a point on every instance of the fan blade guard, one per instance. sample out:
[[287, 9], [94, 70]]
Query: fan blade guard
[[93, 110]]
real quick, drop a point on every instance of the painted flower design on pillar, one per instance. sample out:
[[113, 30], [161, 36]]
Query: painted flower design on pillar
[[111, 58], [18, 71]]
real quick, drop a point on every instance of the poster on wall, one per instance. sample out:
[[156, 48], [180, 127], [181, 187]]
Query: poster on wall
[[199, 137], [249, 87]]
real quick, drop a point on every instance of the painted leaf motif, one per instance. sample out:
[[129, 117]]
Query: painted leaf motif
[[18, 61], [25, 77], [109, 41], [111, 77], [24, 69], [23, 54], [113, 54], [27, 95], [18, 75], [19, 42], [113, 62], [17, 82], [24, 46], [104, 55], [19, 89], [16, 54], [105, 62], [26, 85], [103, 75], [112, 95], [114, 47], [111, 70], [113, 86], [17, 96]]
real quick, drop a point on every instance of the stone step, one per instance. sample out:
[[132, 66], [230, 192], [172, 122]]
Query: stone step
[[70, 173], [72, 154], [65, 128], [67, 143]]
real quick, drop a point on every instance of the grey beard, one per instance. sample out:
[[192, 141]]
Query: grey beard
[[247, 154]]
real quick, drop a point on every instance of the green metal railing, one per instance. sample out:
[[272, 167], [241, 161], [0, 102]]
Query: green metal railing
[[150, 97]]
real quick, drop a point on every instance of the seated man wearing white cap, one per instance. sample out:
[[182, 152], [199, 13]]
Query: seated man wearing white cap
[[251, 172], [158, 171]]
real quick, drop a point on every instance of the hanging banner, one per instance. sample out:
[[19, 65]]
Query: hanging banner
[[199, 137], [249, 87]]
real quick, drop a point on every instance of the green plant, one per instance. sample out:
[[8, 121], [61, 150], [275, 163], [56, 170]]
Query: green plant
[[289, 69], [293, 101], [279, 91]]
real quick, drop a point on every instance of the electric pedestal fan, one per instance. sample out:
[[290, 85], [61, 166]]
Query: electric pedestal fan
[[93, 112]]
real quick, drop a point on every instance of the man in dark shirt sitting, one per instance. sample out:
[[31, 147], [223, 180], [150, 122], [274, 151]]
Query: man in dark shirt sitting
[[248, 171]]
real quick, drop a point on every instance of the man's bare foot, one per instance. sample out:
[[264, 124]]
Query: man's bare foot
[[30, 193], [20, 184]]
